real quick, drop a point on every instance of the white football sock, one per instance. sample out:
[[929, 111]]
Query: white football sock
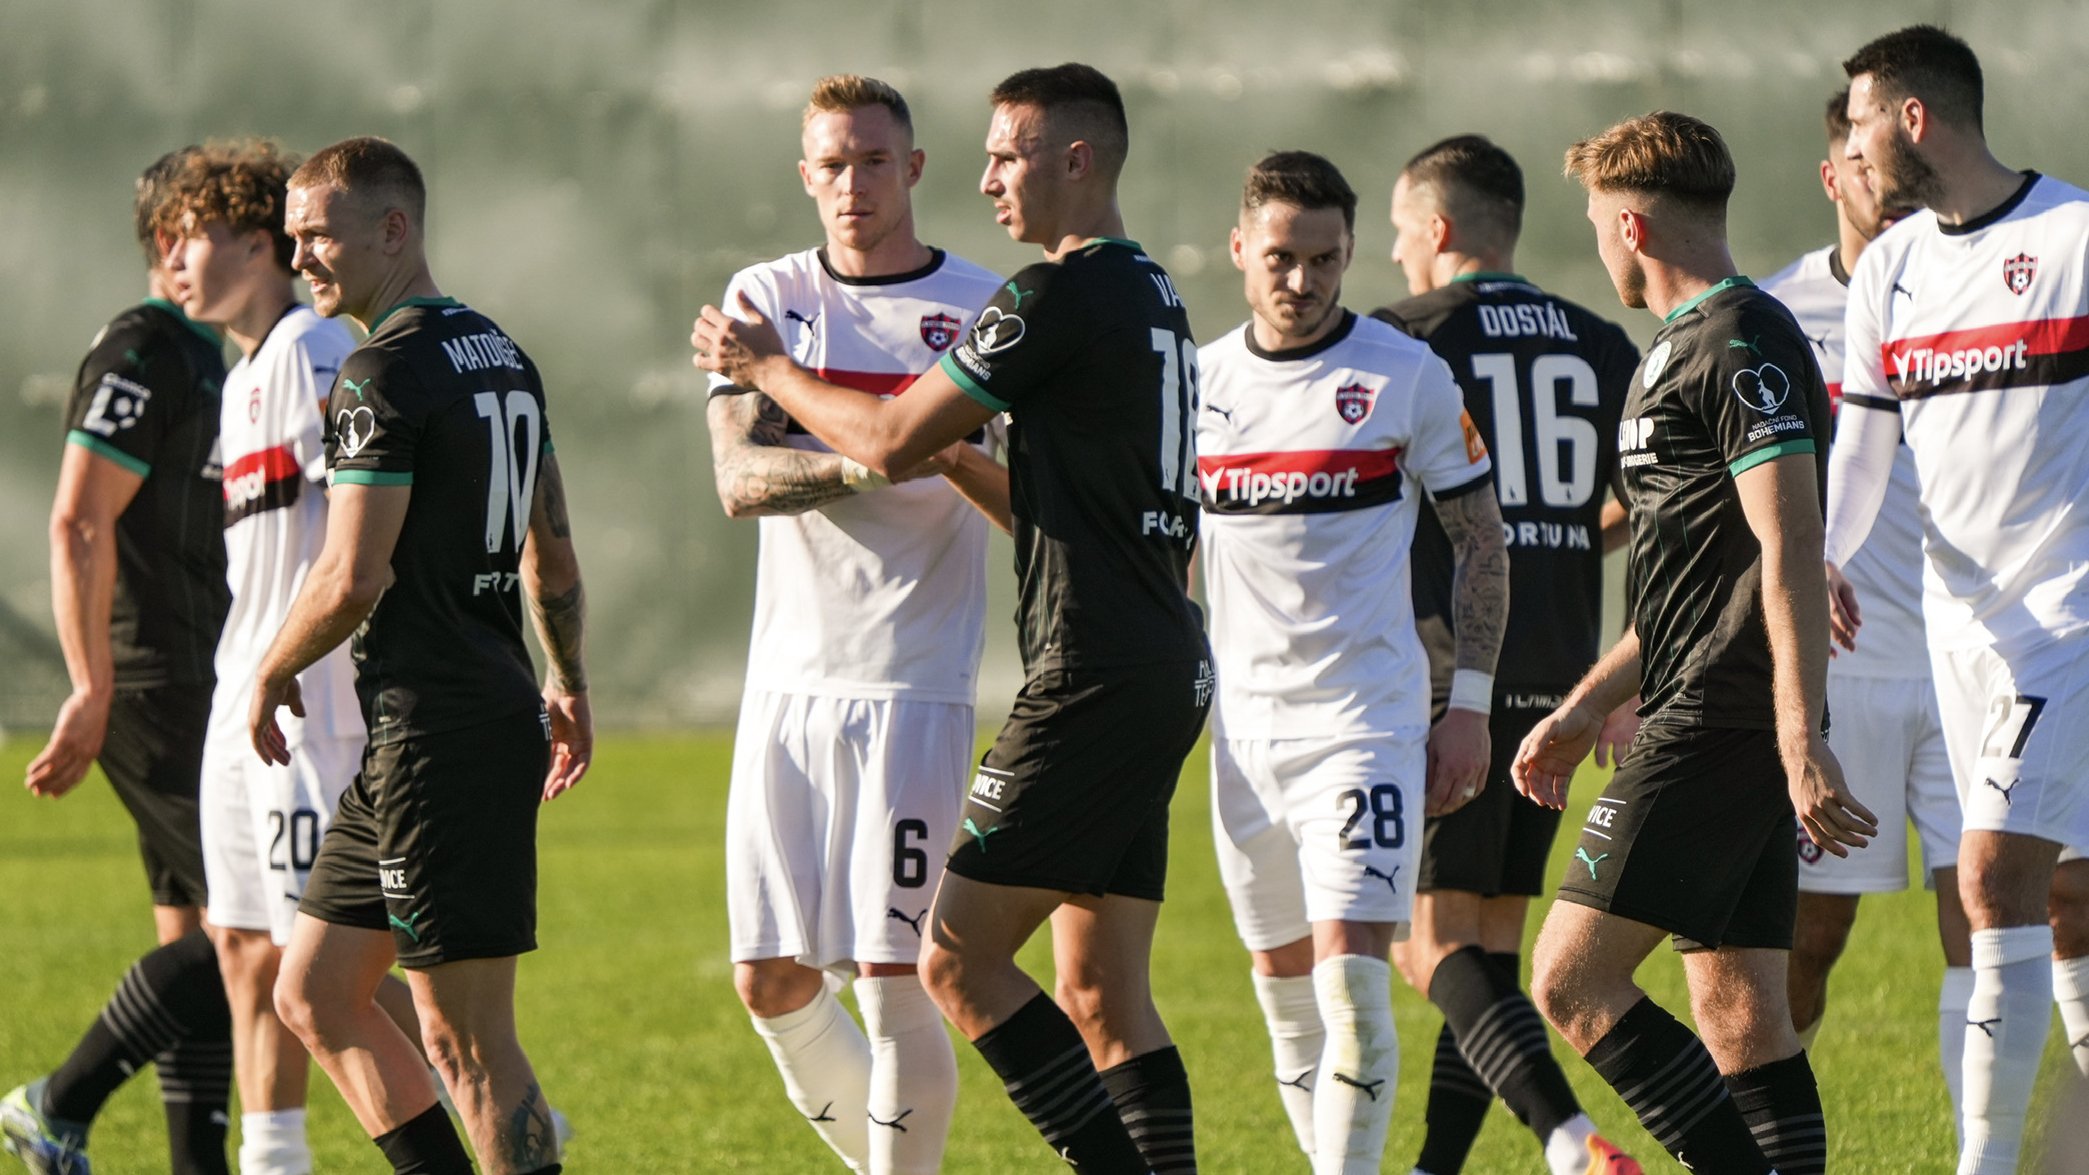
[[2071, 992], [2006, 1019], [825, 1062], [272, 1142], [1359, 1065], [1567, 1151], [1952, 998], [913, 1075], [1296, 1038]]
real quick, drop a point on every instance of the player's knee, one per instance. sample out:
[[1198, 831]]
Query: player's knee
[[776, 991], [2067, 908], [1818, 940], [299, 1010]]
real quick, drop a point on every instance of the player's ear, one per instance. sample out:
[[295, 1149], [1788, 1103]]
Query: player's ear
[[1632, 229], [1080, 159], [167, 244], [1440, 230], [805, 176], [1913, 117], [394, 229], [1237, 246], [916, 159], [1828, 184]]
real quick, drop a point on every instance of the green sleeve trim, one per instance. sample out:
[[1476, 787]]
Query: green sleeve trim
[[969, 386], [368, 477], [1780, 449], [102, 448]]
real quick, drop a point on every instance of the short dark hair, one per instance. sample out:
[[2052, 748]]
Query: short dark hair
[[370, 168], [1298, 178], [1925, 62], [1663, 154], [1087, 100], [240, 184], [1475, 178], [151, 192], [1836, 118]]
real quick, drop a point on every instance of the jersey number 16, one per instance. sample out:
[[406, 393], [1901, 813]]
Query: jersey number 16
[[1566, 456]]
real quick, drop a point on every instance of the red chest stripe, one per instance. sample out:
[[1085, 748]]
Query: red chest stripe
[[2010, 354], [884, 383], [1301, 481], [257, 482]]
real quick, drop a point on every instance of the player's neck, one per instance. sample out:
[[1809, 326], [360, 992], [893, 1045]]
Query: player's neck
[[1082, 226], [1452, 266], [900, 252], [1849, 243], [1271, 340], [1975, 184], [1674, 281], [249, 328], [412, 281]]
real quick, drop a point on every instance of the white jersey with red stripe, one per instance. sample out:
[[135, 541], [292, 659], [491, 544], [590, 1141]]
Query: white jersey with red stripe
[[270, 434], [1309, 462], [1887, 569], [882, 594], [1978, 335]]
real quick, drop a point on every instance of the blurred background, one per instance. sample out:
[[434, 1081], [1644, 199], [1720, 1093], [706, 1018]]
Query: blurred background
[[599, 169]]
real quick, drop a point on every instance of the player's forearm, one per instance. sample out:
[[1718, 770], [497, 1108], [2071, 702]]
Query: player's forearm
[[1860, 467], [558, 610], [1613, 679], [333, 601], [758, 480], [1795, 614], [852, 423], [1615, 526], [983, 481], [83, 594], [1479, 578]]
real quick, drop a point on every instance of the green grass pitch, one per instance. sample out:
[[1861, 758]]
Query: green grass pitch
[[629, 1015]]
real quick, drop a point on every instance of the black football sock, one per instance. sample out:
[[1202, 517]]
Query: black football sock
[[154, 1004], [427, 1145], [196, 1093], [1782, 1107], [1503, 1038], [1457, 1107], [1044, 1065], [1664, 1073], [1152, 1095]]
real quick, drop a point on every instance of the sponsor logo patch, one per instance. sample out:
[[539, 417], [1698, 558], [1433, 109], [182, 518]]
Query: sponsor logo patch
[[939, 330], [1475, 447], [2018, 271], [1353, 402], [1764, 388], [354, 428], [996, 331]]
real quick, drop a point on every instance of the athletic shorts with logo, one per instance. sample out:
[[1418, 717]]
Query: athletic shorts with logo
[[1317, 830], [153, 756], [1500, 842], [436, 840], [839, 812], [1693, 835], [2017, 728], [263, 822], [1890, 741], [1073, 795]]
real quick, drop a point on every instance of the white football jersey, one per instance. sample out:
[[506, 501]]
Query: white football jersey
[[1978, 334], [270, 432], [1310, 463], [1887, 569], [882, 594]]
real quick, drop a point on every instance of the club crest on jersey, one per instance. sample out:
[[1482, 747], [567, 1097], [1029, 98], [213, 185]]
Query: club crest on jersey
[[1764, 388], [355, 428], [1809, 852], [938, 330], [996, 331], [1353, 401], [1657, 362], [2018, 271]]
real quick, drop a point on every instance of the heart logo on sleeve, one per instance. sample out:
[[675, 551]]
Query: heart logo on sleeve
[[1764, 388]]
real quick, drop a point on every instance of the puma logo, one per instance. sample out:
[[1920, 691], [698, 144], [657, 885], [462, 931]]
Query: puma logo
[[1582, 855], [1986, 1026], [356, 386], [2080, 1044], [1370, 1088], [823, 1115], [2006, 797], [1391, 879], [895, 1123], [914, 922], [980, 834], [1301, 1081]]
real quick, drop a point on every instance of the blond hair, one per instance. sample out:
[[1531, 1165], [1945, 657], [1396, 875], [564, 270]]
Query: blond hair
[[1663, 155], [370, 169], [842, 92]]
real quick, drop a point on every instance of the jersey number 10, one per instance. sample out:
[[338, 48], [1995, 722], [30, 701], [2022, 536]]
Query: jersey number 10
[[511, 479], [1566, 456], [1178, 406]]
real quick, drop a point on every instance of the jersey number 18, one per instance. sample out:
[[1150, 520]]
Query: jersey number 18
[[1178, 406]]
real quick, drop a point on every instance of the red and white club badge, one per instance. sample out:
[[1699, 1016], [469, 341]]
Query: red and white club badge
[[1353, 401], [2018, 271], [939, 330]]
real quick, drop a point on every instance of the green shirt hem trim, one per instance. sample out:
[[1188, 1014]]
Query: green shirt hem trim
[[1733, 282], [368, 477], [1780, 449], [398, 306], [969, 386], [102, 448]]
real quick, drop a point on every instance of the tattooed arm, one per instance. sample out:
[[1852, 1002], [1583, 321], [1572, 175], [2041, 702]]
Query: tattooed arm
[[1459, 744], [558, 606], [757, 473]]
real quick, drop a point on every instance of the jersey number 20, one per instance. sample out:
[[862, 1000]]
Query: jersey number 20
[[1566, 456], [511, 481]]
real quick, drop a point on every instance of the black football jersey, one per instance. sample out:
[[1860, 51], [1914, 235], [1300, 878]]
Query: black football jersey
[[1091, 357], [147, 398], [439, 398], [1729, 383], [1544, 381]]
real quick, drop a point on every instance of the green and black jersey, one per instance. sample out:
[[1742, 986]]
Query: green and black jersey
[[1092, 359], [147, 398], [440, 399], [1729, 383]]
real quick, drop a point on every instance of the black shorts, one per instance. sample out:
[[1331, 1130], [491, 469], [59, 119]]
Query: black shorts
[[1498, 843], [437, 841], [153, 756], [1694, 835], [1074, 793]]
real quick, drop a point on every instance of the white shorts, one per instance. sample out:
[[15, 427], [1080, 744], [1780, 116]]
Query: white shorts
[[2017, 727], [1886, 734], [262, 823], [1318, 830], [841, 813]]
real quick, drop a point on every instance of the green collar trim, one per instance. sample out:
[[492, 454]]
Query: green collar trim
[[203, 332], [443, 301], [1129, 244], [1490, 275], [1734, 282]]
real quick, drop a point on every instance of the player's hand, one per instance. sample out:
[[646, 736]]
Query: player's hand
[[1553, 751], [572, 739], [1831, 816], [1619, 729], [1844, 617], [269, 742], [76, 738], [733, 347], [1459, 751]]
